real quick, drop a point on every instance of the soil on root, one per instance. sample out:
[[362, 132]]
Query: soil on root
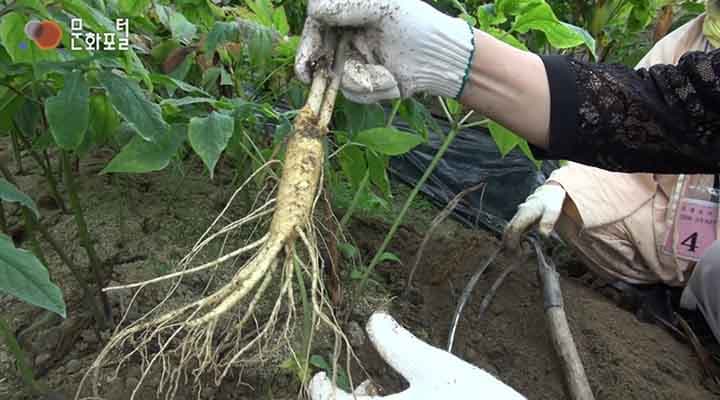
[[624, 358]]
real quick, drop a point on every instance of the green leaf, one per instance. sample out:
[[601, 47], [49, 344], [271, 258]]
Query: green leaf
[[525, 149], [359, 117], [68, 113], [262, 10], [377, 165], [181, 29], [260, 49], [27, 117], [105, 120], [353, 164], [505, 139], [90, 17], [186, 101], [280, 21], [540, 16], [587, 38], [418, 117], [140, 156], [318, 361], [129, 100], [209, 136], [23, 276], [388, 141], [348, 250], [388, 256], [132, 8], [221, 32], [176, 83], [10, 193]]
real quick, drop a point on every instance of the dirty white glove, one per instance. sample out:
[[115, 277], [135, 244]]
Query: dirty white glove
[[400, 47], [543, 207], [432, 373]]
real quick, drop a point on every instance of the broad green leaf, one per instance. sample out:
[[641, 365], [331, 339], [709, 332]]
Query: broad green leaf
[[23, 276], [587, 38], [280, 21], [181, 29], [359, 117], [262, 10], [27, 117], [377, 165], [186, 101], [130, 101], [10, 193], [68, 113], [353, 164], [176, 83], [418, 117], [505, 139], [260, 49], [388, 141], [18, 46], [525, 149], [221, 32], [91, 17], [105, 120], [139, 156], [131, 8], [540, 16], [209, 136], [487, 17]]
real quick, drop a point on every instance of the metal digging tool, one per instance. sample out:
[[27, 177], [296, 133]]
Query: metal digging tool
[[563, 342]]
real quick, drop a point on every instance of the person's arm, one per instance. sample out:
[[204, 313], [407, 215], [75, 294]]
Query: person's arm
[[662, 119]]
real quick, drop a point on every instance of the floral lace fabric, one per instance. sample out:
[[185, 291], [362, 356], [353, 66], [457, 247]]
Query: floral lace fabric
[[665, 119]]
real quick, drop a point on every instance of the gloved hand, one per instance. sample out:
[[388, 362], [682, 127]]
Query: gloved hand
[[432, 373], [400, 47], [545, 206]]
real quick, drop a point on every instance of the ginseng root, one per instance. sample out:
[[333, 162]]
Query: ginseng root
[[189, 341]]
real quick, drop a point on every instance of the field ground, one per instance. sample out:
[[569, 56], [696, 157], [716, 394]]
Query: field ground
[[144, 224]]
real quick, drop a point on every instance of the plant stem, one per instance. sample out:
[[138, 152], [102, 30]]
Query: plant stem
[[46, 167], [393, 113], [3, 222], [398, 220], [16, 152], [34, 225], [85, 240], [26, 372], [356, 200]]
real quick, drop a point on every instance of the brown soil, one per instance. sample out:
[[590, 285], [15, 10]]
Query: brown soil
[[147, 223]]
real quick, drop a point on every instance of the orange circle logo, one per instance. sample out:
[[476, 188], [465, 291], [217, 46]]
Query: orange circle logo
[[46, 34]]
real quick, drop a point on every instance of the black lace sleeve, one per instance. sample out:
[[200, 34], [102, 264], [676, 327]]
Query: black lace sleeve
[[664, 119]]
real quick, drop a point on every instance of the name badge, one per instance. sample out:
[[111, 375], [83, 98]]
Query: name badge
[[696, 221]]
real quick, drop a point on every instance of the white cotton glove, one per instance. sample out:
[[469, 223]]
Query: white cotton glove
[[433, 374], [543, 206], [400, 47]]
